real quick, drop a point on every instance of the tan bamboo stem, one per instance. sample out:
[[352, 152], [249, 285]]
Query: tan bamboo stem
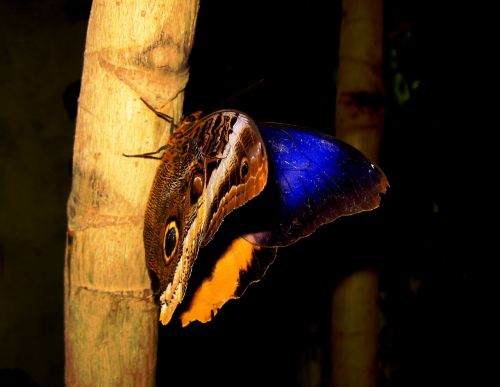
[[359, 121], [134, 49]]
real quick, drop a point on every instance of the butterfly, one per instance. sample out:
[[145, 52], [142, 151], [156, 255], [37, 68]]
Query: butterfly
[[285, 181]]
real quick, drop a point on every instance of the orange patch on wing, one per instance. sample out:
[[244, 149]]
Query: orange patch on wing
[[222, 284]]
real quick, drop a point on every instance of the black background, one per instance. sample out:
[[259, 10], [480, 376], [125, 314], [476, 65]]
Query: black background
[[278, 334]]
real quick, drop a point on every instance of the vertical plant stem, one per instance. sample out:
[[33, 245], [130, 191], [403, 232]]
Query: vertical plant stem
[[359, 121], [133, 50]]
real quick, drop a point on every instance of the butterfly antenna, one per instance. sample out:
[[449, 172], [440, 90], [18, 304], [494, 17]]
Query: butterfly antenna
[[246, 89]]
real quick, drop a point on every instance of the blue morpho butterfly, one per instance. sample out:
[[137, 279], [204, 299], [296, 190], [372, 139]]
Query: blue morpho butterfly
[[290, 180]]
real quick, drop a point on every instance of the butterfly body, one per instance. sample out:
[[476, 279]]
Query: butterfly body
[[294, 179]]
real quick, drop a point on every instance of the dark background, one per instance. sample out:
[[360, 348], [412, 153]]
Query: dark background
[[278, 334]]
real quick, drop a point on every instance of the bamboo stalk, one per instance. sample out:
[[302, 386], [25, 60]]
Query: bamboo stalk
[[359, 121], [134, 50]]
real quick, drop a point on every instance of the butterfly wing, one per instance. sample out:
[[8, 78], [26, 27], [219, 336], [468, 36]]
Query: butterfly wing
[[310, 179], [241, 264], [313, 179], [211, 166]]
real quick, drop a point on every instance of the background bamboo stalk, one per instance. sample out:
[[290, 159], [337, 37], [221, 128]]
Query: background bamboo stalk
[[360, 90], [359, 121]]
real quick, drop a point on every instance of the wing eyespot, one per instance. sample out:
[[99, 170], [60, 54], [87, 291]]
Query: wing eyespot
[[170, 241], [244, 168]]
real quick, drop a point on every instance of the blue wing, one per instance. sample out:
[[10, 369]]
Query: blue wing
[[314, 179]]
